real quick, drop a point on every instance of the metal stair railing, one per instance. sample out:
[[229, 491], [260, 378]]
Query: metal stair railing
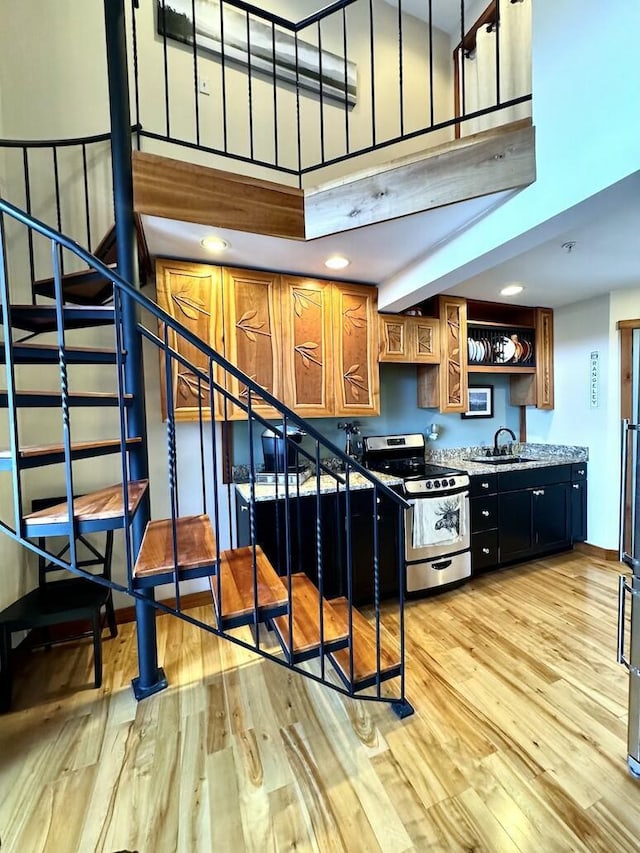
[[195, 489]]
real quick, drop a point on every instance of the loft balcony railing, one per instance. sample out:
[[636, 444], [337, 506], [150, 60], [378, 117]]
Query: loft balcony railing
[[357, 77]]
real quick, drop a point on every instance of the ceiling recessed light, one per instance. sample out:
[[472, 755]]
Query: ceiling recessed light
[[214, 244], [512, 290], [337, 262]]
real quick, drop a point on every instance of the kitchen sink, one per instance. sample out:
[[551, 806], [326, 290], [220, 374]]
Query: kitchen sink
[[502, 460]]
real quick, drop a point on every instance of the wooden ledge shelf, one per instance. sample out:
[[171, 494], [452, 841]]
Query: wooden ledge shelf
[[499, 368]]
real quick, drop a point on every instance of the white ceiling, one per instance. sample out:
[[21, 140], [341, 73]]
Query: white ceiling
[[606, 257], [376, 252]]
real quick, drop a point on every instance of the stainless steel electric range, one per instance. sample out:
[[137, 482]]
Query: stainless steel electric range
[[437, 523]]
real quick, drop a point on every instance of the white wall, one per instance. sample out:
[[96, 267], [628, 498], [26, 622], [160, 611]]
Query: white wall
[[585, 83], [580, 329]]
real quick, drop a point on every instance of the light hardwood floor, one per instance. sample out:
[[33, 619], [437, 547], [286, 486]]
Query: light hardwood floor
[[518, 743]]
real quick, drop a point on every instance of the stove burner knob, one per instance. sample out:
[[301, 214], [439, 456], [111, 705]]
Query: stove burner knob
[[452, 482], [436, 483], [429, 484]]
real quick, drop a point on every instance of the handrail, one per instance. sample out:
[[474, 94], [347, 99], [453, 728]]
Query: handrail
[[61, 143], [197, 343]]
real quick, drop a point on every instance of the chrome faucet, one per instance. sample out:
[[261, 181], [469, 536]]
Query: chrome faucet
[[496, 452]]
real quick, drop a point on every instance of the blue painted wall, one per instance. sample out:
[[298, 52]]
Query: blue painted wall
[[399, 413]]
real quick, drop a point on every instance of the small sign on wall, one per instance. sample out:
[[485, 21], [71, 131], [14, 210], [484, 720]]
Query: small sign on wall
[[594, 379]]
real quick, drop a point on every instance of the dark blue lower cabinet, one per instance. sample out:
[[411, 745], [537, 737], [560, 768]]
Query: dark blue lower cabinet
[[539, 511], [295, 532]]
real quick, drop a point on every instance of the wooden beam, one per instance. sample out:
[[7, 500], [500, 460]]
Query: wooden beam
[[487, 162], [187, 192]]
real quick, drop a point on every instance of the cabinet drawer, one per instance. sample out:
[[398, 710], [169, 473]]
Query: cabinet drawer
[[483, 484], [484, 550], [511, 481], [579, 471], [484, 513]]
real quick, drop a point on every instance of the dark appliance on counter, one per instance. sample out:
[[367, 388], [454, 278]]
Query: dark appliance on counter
[[437, 524], [280, 453]]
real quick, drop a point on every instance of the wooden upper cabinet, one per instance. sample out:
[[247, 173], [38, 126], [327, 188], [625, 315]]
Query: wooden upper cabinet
[[192, 295], [409, 340], [424, 340], [544, 358], [355, 350], [453, 354], [394, 338], [307, 351], [252, 335]]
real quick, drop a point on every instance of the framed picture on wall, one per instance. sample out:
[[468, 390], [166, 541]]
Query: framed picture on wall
[[480, 402]]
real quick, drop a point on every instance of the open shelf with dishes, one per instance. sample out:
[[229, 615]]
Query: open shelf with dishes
[[495, 345]]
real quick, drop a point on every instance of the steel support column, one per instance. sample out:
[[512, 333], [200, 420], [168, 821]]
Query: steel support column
[[151, 677]]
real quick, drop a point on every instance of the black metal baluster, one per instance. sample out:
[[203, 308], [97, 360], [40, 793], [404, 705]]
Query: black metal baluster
[[275, 95], [400, 68], [56, 261], [376, 580], [56, 181], [403, 585], [321, 100], [216, 503], [298, 127], [87, 206], [463, 57], [319, 560], [252, 516], [250, 87], [172, 464], [223, 68], [349, 545], [12, 411], [136, 69], [346, 80], [373, 74], [287, 543], [498, 31], [431, 88], [201, 436], [165, 55], [27, 192], [196, 92]]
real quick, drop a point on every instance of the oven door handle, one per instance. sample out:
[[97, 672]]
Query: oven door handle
[[441, 565], [463, 490]]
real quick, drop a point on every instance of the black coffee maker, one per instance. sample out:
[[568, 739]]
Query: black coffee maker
[[280, 454]]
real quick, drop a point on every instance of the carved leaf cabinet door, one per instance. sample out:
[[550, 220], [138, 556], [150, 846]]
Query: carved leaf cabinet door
[[307, 355], [191, 294]]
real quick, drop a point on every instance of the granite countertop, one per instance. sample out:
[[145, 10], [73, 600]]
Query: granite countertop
[[327, 486], [542, 456]]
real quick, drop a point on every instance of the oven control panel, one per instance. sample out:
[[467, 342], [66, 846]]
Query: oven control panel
[[435, 485]]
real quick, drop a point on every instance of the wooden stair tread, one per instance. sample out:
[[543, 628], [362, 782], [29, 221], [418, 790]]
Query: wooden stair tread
[[236, 581], [42, 318], [54, 398], [306, 619], [52, 350], [195, 540], [45, 449], [84, 287], [96, 506], [364, 648]]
